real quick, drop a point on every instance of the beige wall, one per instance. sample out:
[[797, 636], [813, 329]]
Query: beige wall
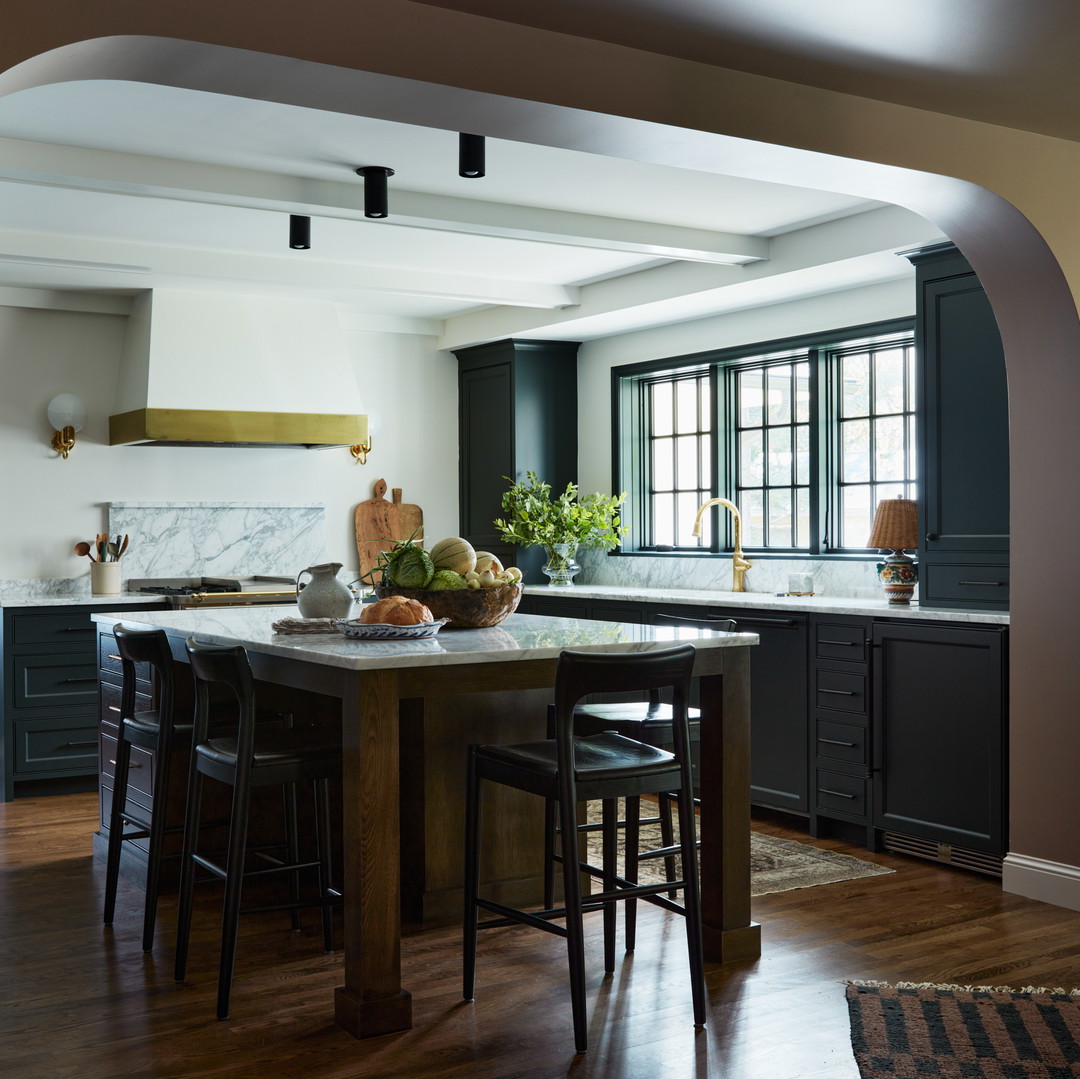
[[1006, 196]]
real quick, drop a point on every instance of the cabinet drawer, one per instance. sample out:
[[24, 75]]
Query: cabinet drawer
[[841, 691], [834, 641], [53, 627], [54, 681], [109, 696], [140, 774], [845, 794], [56, 745], [110, 665], [841, 742], [986, 585]]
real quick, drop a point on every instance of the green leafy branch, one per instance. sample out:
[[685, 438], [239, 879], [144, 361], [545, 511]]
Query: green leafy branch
[[535, 519]]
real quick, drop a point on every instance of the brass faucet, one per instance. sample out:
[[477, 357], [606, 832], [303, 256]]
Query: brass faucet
[[739, 565]]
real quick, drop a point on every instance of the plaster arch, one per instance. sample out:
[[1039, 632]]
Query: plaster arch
[[1005, 197]]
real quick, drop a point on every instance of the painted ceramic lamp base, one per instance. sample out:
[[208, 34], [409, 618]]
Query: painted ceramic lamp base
[[899, 574]]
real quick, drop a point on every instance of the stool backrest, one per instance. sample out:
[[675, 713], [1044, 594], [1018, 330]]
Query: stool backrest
[[225, 666], [582, 673], [149, 646]]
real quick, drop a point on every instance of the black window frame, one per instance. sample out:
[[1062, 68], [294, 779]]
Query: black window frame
[[629, 429]]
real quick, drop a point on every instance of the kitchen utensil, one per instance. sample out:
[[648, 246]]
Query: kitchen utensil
[[83, 548], [99, 544], [123, 547], [381, 523], [113, 548], [324, 596]]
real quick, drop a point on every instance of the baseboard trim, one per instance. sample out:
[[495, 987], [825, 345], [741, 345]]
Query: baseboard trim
[[1037, 878]]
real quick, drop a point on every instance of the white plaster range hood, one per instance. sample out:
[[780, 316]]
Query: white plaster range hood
[[203, 369]]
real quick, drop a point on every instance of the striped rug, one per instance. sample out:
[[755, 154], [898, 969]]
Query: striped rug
[[964, 1032]]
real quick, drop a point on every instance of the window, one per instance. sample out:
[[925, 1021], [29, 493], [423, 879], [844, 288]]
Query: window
[[804, 436]]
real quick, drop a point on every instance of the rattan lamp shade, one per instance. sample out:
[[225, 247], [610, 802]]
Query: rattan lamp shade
[[896, 525]]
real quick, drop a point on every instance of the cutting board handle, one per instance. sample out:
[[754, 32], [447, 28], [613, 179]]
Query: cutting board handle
[[380, 488]]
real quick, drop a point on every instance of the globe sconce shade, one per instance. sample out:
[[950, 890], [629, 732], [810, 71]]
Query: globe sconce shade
[[67, 414]]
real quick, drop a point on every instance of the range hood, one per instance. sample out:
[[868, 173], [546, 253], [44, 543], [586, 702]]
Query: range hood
[[203, 369]]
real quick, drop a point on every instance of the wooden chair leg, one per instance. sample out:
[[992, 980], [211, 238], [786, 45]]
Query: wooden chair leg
[[667, 839], [551, 825], [575, 933], [610, 835], [192, 817], [692, 903], [156, 844], [473, 806], [630, 872], [292, 846], [234, 884], [116, 825], [323, 841]]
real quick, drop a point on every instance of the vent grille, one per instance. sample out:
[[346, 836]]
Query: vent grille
[[961, 857]]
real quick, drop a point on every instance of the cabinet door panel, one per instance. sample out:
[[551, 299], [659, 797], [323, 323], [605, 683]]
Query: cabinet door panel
[[938, 743], [54, 681]]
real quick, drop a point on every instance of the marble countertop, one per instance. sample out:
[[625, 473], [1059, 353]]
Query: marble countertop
[[64, 594], [519, 637], [767, 601]]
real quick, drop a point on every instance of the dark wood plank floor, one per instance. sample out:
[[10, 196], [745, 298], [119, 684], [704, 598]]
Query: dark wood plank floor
[[78, 1000]]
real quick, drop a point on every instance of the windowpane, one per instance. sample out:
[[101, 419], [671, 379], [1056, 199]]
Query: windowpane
[[686, 406], [855, 435], [802, 456], [663, 466], [686, 506], [686, 467], [779, 463], [889, 448], [855, 385], [753, 516], [751, 458], [779, 394], [750, 397], [661, 408], [889, 380], [856, 516], [802, 393], [663, 519], [780, 520], [802, 517]]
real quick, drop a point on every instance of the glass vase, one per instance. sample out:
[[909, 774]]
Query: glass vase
[[560, 565]]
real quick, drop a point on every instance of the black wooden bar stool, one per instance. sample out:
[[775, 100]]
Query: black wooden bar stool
[[568, 769], [160, 731], [247, 757]]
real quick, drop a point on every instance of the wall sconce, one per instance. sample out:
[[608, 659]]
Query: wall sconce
[[67, 414], [362, 449]]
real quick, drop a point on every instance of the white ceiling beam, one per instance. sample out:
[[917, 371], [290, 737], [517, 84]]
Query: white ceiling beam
[[81, 169]]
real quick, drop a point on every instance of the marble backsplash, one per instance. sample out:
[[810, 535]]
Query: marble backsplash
[[216, 539], [832, 577]]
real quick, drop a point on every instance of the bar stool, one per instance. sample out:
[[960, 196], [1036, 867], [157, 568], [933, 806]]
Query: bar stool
[[155, 729], [568, 769], [246, 758]]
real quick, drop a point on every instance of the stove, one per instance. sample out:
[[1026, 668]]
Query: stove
[[187, 592]]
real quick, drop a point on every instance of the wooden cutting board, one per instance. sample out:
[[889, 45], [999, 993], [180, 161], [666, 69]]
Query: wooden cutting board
[[381, 523]]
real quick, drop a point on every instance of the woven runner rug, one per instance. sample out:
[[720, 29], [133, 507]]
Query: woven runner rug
[[958, 1032], [776, 865]]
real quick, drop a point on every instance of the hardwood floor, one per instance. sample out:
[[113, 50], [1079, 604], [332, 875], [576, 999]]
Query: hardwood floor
[[80, 1000]]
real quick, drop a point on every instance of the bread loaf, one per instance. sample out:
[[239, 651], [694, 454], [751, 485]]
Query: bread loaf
[[396, 611]]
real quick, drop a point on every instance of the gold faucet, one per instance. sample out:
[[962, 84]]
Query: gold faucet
[[739, 565]]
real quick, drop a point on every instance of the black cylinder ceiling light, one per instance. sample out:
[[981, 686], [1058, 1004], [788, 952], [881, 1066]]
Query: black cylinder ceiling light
[[299, 232], [471, 162], [375, 177]]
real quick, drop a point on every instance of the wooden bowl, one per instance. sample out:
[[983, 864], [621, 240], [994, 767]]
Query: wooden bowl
[[467, 608]]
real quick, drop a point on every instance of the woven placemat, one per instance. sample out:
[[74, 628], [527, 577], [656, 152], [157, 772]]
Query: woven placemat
[[305, 625]]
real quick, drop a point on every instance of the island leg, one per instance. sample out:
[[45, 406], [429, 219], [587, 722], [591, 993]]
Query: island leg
[[729, 934], [371, 1001]]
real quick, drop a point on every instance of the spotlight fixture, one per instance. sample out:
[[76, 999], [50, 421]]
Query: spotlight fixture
[[470, 156], [299, 232], [375, 177]]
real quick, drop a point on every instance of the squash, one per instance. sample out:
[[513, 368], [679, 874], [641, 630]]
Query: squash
[[454, 553]]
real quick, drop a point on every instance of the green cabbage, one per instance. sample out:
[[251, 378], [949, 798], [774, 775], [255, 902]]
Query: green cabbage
[[413, 568]]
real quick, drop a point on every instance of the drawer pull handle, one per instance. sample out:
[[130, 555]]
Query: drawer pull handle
[[839, 692], [131, 764], [79, 745], [849, 644], [766, 621], [837, 742], [76, 629], [993, 584], [113, 655], [113, 708], [835, 794], [68, 681], [727, 624]]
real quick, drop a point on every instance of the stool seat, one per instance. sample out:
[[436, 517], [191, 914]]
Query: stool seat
[[602, 756], [272, 750]]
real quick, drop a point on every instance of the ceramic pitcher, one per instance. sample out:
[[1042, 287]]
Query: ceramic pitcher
[[324, 596]]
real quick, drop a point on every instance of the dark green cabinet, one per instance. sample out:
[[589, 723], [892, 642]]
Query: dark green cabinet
[[939, 732], [517, 403], [963, 437]]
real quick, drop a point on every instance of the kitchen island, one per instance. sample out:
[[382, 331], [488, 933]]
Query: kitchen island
[[373, 681]]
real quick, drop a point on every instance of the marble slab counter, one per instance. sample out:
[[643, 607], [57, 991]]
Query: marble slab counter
[[64, 593], [519, 637], [767, 601]]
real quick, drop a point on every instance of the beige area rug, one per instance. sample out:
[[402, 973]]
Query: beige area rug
[[776, 865]]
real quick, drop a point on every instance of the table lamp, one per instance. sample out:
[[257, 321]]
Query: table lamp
[[896, 529]]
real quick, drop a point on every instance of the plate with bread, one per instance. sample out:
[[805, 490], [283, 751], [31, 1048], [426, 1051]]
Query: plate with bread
[[394, 618]]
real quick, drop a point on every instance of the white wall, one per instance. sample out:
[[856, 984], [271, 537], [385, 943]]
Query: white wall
[[49, 504], [873, 303]]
